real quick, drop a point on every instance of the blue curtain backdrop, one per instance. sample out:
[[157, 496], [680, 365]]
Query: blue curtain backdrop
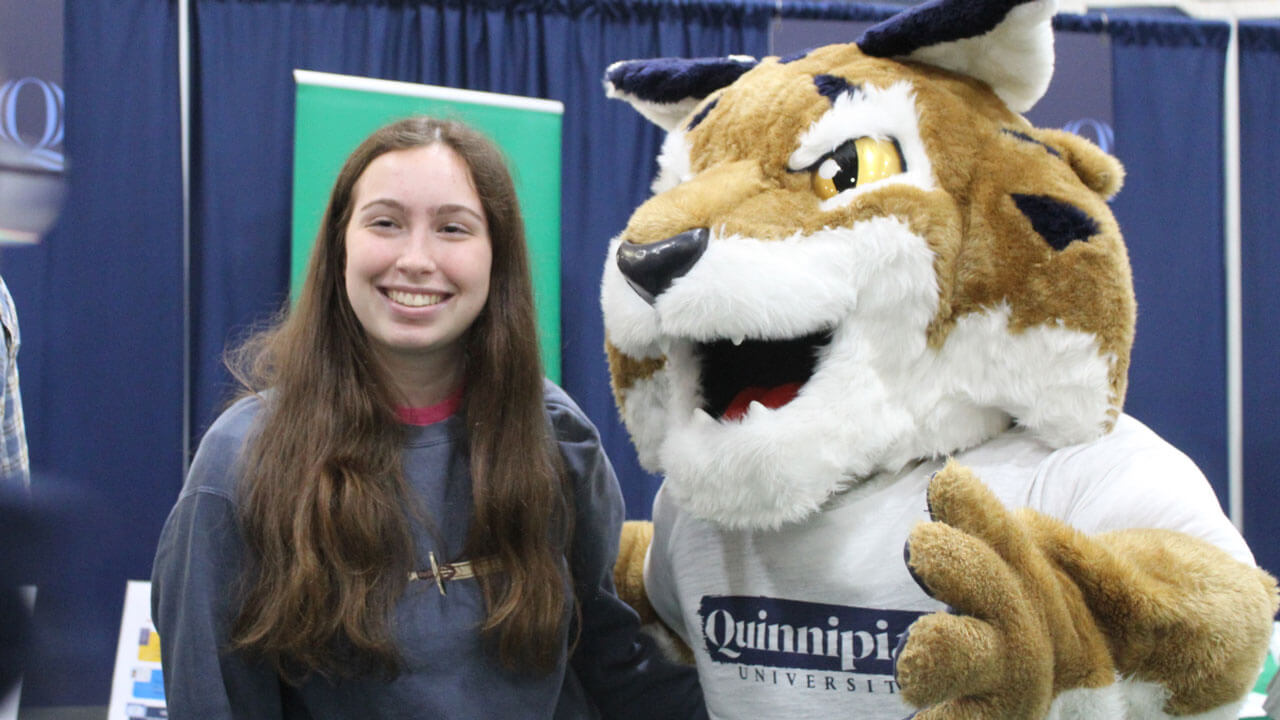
[[1167, 90], [101, 298], [1260, 250], [100, 305]]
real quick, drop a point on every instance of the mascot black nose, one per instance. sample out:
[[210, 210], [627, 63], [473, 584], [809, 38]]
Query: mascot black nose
[[650, 269]]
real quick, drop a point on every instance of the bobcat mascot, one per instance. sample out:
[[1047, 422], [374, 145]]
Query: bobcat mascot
[[870, 308]]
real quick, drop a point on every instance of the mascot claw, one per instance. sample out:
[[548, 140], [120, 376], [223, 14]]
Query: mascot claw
[[1022, 632], [1041, 609]]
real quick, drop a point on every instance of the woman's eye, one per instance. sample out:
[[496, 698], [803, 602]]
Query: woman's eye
[[856, 162]]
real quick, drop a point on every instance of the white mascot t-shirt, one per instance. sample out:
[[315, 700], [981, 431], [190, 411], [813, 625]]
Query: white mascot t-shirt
[[804, 621]]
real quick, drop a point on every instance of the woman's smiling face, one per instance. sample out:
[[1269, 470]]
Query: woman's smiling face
[[418, 255]]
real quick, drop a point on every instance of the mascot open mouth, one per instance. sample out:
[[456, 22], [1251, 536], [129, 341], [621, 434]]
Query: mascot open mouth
[[770, 372]]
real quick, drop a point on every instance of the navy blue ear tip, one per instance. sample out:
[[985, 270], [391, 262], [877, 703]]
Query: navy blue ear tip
[[624, 74], [933, 23], [668, 80]]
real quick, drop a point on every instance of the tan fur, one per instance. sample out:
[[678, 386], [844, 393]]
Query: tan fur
[[1042, 608], [1101, 172], [1151, 588], [628, 571], [1057, 610], [626, 371], [742, 186], [1036, 636]]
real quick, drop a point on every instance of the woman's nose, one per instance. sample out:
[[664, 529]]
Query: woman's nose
[[418, 254]]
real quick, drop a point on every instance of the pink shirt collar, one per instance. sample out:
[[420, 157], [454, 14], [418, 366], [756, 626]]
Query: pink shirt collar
[[432, 413]]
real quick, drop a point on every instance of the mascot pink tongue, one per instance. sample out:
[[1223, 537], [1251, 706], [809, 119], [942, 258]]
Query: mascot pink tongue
[[772, 398]]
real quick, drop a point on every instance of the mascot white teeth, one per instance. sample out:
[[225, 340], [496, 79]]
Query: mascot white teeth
[[869, 307]]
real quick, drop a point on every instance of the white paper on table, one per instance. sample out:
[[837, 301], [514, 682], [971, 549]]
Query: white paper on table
[[137, 687]]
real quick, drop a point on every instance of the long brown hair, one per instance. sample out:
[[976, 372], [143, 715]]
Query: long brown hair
[[325, 508]]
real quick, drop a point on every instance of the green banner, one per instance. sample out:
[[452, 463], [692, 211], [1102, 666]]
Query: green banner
[[335, 112]]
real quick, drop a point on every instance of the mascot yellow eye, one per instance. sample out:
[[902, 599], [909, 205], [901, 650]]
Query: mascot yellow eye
[[854, 163]]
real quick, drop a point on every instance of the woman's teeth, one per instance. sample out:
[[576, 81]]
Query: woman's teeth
[[414, 299]]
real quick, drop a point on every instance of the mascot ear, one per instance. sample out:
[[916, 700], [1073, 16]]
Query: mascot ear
[[1007, 44], [666, 90]]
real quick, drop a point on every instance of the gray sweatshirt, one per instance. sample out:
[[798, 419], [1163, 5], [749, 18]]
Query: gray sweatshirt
[[447, 674]]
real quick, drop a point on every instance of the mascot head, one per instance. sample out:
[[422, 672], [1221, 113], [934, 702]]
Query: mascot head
[[859, 257]]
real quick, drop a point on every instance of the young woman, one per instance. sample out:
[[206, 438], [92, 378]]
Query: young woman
[[402, 518]]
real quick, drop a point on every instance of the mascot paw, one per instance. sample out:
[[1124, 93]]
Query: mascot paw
[[628, 570], [628, 578], [1018, 633]]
